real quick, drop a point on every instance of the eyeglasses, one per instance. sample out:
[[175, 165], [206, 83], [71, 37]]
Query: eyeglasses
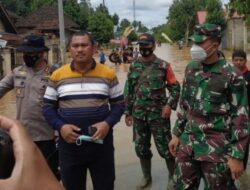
[[208, 32]]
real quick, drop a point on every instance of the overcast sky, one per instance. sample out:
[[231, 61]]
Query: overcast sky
[[150, 12]]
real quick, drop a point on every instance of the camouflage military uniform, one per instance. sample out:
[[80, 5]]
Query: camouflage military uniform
[[212, 125], [145, 97]]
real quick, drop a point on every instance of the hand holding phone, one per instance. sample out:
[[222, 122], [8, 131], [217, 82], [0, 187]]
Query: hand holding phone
[[91, 130]]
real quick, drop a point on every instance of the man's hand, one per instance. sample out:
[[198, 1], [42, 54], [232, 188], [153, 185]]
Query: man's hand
[[69, 133], [166, 112], [129, 120], [31, 170], [236, 167], [102, 129], [173, 144]]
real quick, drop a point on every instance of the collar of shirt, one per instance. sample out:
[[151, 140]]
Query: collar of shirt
[[93, 65], [245, 69]]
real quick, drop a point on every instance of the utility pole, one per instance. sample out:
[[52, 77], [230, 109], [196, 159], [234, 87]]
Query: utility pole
[[134, 11], [103, 3], [61, 30]]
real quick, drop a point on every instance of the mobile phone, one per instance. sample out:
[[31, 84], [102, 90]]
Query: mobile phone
[[91, 130], [7, 159]]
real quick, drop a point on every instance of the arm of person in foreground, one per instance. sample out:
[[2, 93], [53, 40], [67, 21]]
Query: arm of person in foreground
[[174, 88], [116, 102], [240, 126], [31, 170]]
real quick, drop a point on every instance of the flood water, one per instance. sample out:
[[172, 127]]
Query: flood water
[[128, 172]]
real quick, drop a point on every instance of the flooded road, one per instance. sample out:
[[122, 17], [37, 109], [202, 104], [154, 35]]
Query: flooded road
[[128, 172]]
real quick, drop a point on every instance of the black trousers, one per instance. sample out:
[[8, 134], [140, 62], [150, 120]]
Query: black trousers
[[50, 152], [76, 160]]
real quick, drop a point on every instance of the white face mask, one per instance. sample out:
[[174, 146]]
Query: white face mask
[[198, 53]]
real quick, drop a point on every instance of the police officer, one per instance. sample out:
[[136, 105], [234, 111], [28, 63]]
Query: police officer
[[29, 82], [212, 126], [148, 108]]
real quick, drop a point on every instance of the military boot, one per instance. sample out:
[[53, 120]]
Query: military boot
[[146, 170], [170, 165]]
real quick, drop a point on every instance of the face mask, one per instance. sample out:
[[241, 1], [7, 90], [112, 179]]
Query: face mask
[[30, 60], [145, 52], [198, 53]]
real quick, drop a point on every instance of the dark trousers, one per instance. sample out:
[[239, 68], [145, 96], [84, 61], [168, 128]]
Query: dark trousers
[[49, 151], [98, 159]]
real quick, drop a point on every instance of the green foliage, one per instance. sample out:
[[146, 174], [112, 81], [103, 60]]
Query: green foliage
[[101, 27], [182, 17], [215, 13], [132, 37], [158, 32], [85, 11], [21, 8], [115, 19], [124, 24], [39, 3], [242, 7]]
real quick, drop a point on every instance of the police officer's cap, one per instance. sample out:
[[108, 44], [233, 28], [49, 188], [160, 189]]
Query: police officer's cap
[[33, 43]]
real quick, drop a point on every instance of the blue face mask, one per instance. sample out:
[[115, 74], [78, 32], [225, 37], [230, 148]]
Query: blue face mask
[[30, 60]]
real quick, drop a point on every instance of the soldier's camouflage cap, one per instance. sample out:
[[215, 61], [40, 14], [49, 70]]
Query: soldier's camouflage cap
[[204, 31], [145, 39]]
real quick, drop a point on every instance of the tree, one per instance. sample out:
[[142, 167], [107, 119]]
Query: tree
[[182, 17], [85, 11], [242, 7], [124, 24], [215, 13], [72, 9], [21, 8], [36, 4], [101, 27], [115, 19]]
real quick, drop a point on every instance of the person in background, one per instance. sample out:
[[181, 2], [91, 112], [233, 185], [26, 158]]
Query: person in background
[[29, 82], [239, 59], [102, 57], [211, 133], [148, 108], [84, 96]]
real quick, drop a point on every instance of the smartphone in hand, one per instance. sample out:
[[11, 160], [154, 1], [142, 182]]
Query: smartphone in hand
[[91, 130], [7, 159]]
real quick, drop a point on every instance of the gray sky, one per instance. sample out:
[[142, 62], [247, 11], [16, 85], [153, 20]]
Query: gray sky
[[150, 12]]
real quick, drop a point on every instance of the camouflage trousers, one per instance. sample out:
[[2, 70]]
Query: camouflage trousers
[[188, 173], [160, 130]]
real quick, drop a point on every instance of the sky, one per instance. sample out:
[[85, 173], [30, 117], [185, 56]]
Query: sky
[[150, 12]]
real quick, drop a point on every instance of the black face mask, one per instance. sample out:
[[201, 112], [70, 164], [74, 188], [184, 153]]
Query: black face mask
[[145, 52], [30, 60]]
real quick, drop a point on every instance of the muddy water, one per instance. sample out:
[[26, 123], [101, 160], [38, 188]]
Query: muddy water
[[128, 172]]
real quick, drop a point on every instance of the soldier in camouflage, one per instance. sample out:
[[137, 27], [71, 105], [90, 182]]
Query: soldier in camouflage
[[148, 108], [212, 130]]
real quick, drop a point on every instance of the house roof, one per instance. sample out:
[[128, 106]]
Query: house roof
[[45, 18], [201, 16], [9, 26]]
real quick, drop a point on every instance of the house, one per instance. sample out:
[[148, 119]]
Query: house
[[8, 34], [45, 21]]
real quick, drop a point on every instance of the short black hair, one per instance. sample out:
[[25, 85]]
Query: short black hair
[[239, 53], [82, 33]]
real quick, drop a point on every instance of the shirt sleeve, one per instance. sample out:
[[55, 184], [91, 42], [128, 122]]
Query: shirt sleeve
[[173, 87], [116, 101], [7, 84], [50, 106], [239, 117]]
